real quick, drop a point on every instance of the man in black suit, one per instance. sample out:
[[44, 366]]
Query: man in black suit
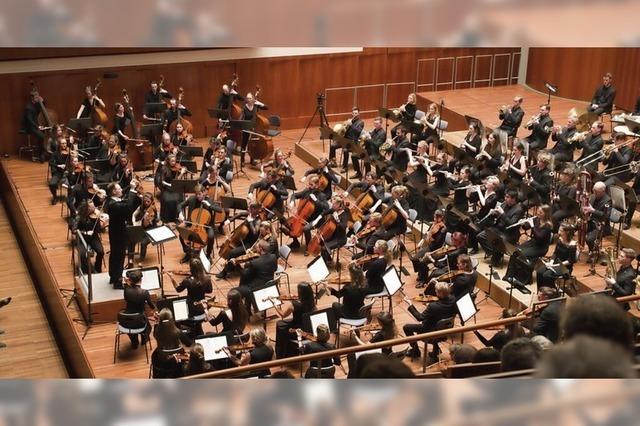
[[548, 322], [257, 272], [30, 119], [562, 151], [540, 129], [624, 284], [120, 211], [172, 112], [512, 117], [598, 210], [541, 179], [153, 96], [375, 268], [592, 144], [400, 159], [378, 136], [135, 298], [443, 308], [603, 97], [353, 133]]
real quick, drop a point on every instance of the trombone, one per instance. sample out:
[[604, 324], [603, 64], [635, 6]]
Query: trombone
[[632, 167]]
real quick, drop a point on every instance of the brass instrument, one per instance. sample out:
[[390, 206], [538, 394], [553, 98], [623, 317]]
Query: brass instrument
[[340, 129], [612, 267], [578, 136], [504, 109], [632, 167], [364, 137], [534, 119], [386, 147], [607, 150]]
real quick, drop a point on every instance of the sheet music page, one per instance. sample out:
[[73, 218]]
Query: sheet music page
[[466, 307], [180, 310], [150, 279], [205, 261], [211, 345], [317, 320], [263, 294], [392, 281], [370, 351], [318, 270], [160, 234]]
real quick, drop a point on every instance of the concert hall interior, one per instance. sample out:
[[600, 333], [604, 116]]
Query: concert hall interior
[[335, 212]]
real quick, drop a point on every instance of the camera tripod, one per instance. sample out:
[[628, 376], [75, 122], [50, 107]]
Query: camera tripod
[[324, 121]]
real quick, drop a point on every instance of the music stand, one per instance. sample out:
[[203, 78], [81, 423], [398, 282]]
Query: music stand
[[213, 344], [190, 237], [289, 183], [619, 193], [158, 236], [100, 165], [190, 165], [79, 124], [179, 307], [219, 114], [192, 151], [260, 295], [519, 274], [550, 89], [496, 241], [154, 108], [184, 186], [311, 320], [527, 192], [233, 203]]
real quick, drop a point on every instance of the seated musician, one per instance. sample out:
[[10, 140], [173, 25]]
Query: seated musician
[[562, 151], [109, 151], [511, 117], [377, 137], [460, 200], [146, 215], [190, 209], [340, 216], [602, 101], [420, 163], [58, 165], [169, 338], [252, 220], [564, 188], [502, 220], [487, 201], [445, 307], [279, 163], [440, 171], [431, 122], [165, 149], [372, 232], [624, 283], [374, 269], [397, 202], [407, 113], [351, 295], [180, 137], [400, 151], [169, 199], [223, 164], [516, 165], [324, 368], [304, 304], [597, 211], [173, 110], [261, 352], [323, 171], [463, 279], [209, 156], [265, 233], [312, 192], [369, 183], [441, 259], [472, 142], [51, 145], [490, 156], [90, 226], [198, 285], [540, 127], [234, 317], [83, 191], [591, 146], [135, 298], [213, 177], [538, 245], [616, 157], [434, 237], [196, 363], [123, 172], [540, 177], [273, 184], [74, 174], [565, 254], [257, 272]]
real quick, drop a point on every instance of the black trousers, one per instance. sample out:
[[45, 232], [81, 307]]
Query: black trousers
[[116, 258], [96, 245], [210, 239]]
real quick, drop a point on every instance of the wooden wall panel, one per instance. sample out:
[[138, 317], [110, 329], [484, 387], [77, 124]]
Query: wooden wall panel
[[289, 84], [578, 71]]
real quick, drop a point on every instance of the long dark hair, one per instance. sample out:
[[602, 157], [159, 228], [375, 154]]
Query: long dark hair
[[306, 298], [238, 310], [197, 271], [389, 329], [196, 364]]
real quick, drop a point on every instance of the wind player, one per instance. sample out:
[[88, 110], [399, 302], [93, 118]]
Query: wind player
[[377, 137], [512, 117], [590, 146], [540, 177], [487, 201], [490, 156], [401, 150], [355, 128], [516, 166], [596, 209], [431, 122], [186, 208], [540, 128], [538, 245], [407, 113], [618, 157], [562, 151], [602, 101], [502, 220], [564, 188], [624, 283]]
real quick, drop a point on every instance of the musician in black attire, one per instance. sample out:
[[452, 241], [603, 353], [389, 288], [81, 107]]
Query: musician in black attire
[[490, 156], [226, 98], [548, 322], [173, 110], [503, 217], [460, 201], [273, 184], [624, 284], [235, 317], [352, 295], [598, 210], [253, 221], [83, 191], [369, 183], [400, 150], [89, 103], [135, 298], [485, 215], [30, 118], [325, 170], [472, 140], [154, 96], [445, 307], [604, 96], [377, 137], [120, 211], [540, 130], [169, 198], [615, 160], [376, 231], [591, 145], [538, 245], [340, 216], [374, 269], [164, 149], [461, 284], [565, 254], [562, 151], [250, 112], [540, 177], [305, 303], [565, 188], [354, 129], [313, 192], [198, 285], [58, 165], [257, 272], [440, 262], [90, 227], [186, 208], [512, 117], [123, 172], [398, 202], [407, 113], [324, 368], [121, 118], [146, 216], [261, 352]]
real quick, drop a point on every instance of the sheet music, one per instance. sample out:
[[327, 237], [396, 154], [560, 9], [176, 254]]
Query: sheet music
[[391, 281], [261, 295], [213, 344], [370, 351], [205, 261], [318, 319], [466, 307], [180, 310], [318, 270], [160, 234]]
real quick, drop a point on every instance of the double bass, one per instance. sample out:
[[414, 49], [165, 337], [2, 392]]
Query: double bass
[[186, 124], [99, 116], [49, 117], [235, 110], [260, 145], [262, 122], [139, 151]]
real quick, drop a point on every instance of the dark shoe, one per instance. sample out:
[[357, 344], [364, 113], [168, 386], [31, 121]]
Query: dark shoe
[[5, 301], [54, 200], [356, 176], [473, 251], [185, 258], [134, 346], [129, 265], [413, 353], [306, 253], [118, 285], [221, 275], [626, 226], [295, 244], [332, 163]]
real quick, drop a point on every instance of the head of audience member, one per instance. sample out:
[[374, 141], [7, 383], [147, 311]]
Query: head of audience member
[[462, 353], [542, 341], [381, 366], [520, 354], [586, 357], [486, 355], [597, 316]]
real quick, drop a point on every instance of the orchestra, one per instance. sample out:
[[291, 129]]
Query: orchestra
[[497, 188]]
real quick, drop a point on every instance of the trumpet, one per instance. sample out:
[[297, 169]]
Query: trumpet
[[578, 136], [504, 109], [534, 119]]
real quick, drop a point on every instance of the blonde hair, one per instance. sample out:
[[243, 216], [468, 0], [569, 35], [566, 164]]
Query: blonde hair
[[258, 336]]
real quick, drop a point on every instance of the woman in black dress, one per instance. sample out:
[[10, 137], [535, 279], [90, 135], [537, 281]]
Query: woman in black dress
[[564, 254], [198, 284], [538, 245], [296, 309], [169, 199], [261, 352], [168, 338], [235, 317], [249, 113]]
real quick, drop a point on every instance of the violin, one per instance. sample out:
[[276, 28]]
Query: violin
[[437, 253], [211, 303], [451, 275], [96, 191], [435, 229], [240, 347], [245, 257], [304, 334], [365, 259]]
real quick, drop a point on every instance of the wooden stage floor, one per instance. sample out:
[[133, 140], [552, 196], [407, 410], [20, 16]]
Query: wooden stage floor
[[30, 179]]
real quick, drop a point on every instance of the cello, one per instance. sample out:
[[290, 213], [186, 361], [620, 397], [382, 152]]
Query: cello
[[235, 240], [296, 223], [325, 232], [215, 193], [99, 116], [363, 203], [186, 124], [139, 151], [200, 219]]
